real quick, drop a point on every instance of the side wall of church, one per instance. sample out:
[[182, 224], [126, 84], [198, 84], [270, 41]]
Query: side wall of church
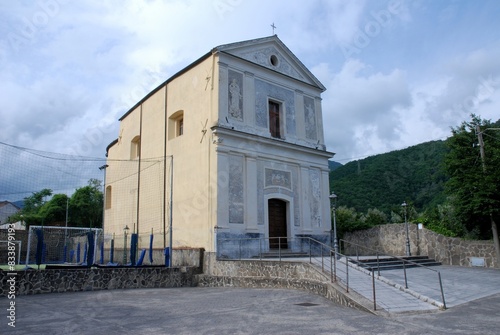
[[178, 116]]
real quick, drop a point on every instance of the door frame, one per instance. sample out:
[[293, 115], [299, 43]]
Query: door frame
[[289, 213]]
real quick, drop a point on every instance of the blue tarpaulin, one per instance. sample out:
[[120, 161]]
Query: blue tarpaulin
[[141, 257], [91, 248], [78, 252], [39, 246], [166, 252], [112, 251], [102, 253], [133, 248], [151, 249]]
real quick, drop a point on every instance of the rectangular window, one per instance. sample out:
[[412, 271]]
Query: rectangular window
[[180, 127], [176, 124], [108, 197], [274, 119], [135, 147]]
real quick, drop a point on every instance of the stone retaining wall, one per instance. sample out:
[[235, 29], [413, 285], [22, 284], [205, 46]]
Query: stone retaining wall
[[391, 239], [456, 251], [72, 280]]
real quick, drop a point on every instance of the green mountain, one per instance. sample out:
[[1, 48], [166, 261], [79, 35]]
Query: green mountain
[[385, 181], [332, 165]]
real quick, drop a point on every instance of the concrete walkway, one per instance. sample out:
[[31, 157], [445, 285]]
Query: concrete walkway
[[460, 284], [423, 294]]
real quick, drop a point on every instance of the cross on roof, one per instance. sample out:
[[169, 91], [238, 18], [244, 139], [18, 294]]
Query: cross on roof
[[273, 26]]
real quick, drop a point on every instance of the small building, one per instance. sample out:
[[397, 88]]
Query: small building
[[7, 209], [230, 147]]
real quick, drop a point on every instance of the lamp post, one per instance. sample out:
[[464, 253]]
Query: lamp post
[[125, 231], [333, 204], [408, 252]]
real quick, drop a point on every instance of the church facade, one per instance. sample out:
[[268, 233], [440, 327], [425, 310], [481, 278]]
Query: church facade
[[231, 147]]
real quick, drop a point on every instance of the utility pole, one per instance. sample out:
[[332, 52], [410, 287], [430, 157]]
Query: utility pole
[[494, 229]]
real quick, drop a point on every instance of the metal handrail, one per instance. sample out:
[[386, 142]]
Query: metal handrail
[[378, 253], [334, 257]]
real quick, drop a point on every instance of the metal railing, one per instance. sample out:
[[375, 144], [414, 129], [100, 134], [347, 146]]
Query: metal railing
[[361, 251], [335, 264]]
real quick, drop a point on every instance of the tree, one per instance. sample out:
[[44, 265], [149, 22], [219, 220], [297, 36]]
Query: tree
[[35, 201], [86, 205], [474, 183], [375, 217], [30, 214], [349, 220], [54, 210]]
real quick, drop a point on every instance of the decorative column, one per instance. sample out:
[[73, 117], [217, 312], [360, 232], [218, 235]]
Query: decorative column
[[299, 114], [319, 120], [304, 200], [249, 99], [251, 194], [223, 91], [222, 188]]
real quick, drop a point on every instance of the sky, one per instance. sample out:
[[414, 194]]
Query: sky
[[397, 72]]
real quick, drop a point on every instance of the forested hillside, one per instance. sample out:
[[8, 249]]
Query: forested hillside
[[415, 175]]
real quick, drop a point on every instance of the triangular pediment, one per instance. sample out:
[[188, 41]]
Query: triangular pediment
[[272, 53]]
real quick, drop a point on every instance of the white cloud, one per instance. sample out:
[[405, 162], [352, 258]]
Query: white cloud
[[362, 109]]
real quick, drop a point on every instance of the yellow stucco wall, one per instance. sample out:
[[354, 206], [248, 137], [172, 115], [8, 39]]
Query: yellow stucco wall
[[192, 93]]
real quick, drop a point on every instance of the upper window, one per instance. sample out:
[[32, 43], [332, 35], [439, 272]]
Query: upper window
[[108, 197], [274, 60], [180, 126], [176, 124], [135, 147], [274, 119]]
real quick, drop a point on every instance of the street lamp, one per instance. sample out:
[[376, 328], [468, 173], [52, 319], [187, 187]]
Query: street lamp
[[125, 231], [408, 252], [333, 204]]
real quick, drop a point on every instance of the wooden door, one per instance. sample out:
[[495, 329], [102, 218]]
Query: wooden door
[[277, 224]]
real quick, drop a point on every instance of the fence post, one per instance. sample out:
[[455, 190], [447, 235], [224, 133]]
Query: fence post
[[331, 266], [335, 265], [347, 273], [260, 248], [378, 264], [279, 247], [28, 250], [404, 269], [310, 251], [322, 266], [442, 292], [374, 295]]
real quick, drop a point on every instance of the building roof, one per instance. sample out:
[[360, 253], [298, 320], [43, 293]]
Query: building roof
[[5, 203]]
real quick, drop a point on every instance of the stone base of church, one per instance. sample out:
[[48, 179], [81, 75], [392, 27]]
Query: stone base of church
[[233, 246]]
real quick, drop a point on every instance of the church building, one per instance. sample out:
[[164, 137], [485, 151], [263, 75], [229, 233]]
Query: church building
[[231, 147]]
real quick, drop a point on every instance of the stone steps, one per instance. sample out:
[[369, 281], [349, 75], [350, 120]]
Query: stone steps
[[284, 254], [393, 263]]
